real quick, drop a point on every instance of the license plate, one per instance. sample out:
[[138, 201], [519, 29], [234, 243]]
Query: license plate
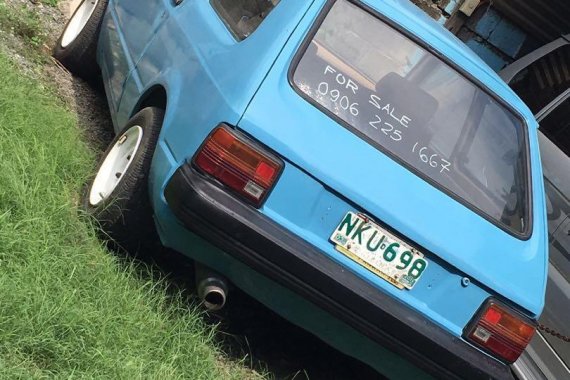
[[365, 242]]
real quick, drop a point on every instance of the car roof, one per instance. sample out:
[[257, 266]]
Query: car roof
[[446, 44], [509, 72]]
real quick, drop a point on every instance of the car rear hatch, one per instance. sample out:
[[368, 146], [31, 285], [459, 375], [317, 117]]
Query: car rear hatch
[[333, 168]]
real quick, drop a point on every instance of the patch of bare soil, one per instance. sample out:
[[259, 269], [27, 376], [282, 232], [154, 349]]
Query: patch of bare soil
[[86, 101]]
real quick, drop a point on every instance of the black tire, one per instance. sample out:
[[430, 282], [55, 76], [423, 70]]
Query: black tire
[[80, 55], [125, 216]]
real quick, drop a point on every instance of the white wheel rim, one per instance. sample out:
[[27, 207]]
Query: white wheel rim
[[78, 21], [115, 165]]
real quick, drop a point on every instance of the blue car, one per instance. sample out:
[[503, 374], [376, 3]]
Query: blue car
[[348, 163]]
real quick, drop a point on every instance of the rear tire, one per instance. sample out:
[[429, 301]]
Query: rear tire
[[118, 197], [76, 49]]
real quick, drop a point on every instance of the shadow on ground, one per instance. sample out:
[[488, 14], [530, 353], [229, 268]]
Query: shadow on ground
[[269, 342]]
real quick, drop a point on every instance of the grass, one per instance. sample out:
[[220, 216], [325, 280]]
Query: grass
[[68, 308], [51, 3], [22, 22]]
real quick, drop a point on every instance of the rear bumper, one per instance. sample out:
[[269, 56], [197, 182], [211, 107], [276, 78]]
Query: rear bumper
[[246, 234]]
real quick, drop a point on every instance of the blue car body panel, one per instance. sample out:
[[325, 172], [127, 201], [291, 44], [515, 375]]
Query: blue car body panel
[[209, 78]]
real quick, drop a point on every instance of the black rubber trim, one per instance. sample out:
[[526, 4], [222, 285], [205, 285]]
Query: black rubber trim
[[243, 232]]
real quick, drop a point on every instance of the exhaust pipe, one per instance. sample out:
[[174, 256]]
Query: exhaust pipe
[[212, 288]]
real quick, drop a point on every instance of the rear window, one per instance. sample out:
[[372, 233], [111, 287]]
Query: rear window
[[411, 105]]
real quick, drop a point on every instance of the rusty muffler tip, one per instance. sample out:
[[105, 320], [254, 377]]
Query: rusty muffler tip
[[212, 288]]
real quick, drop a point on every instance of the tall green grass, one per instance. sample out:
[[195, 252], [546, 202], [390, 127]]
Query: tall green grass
[[69, 309]]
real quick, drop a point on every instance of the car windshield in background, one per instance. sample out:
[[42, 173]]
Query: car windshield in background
[[410, 104]]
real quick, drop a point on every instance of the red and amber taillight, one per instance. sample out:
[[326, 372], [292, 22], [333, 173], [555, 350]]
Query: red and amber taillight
[[501, 331], [238, 163]]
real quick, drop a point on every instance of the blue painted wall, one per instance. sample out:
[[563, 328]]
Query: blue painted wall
[[494, 38]]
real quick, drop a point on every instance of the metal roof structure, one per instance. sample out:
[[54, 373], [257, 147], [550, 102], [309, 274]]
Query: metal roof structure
[[545, 20]]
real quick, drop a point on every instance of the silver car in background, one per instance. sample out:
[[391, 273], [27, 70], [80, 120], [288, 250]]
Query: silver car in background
[[542, 80]]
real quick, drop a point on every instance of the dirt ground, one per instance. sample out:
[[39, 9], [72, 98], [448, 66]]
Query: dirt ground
[[88, 102], [247, 328]]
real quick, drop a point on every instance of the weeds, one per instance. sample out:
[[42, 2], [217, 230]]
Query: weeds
[[22, 22]]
